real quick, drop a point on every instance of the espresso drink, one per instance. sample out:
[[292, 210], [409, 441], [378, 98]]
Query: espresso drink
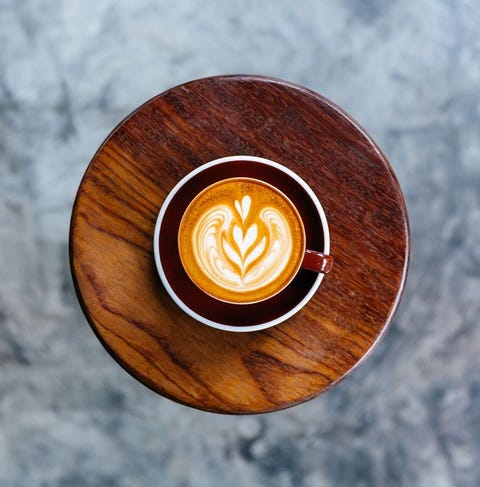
[[241, 240]]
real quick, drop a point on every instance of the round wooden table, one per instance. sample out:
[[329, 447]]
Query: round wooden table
[[111, 244]]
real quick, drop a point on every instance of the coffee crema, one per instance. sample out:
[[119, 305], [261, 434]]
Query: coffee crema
[[241, 240]]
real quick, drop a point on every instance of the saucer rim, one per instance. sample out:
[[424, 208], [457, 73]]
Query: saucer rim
[[173, 294]]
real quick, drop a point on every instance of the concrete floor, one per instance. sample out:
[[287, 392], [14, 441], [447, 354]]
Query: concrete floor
[[409, 72]]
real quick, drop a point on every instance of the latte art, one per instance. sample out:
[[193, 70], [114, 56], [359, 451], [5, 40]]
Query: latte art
[[241, 240], [240, 247]]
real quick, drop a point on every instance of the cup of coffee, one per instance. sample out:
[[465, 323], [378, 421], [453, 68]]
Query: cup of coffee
[[241, 243]]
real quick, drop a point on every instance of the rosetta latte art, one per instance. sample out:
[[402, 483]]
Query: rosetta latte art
[[241, 247]]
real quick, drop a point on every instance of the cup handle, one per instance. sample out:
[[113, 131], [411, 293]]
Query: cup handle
[[317, 262]]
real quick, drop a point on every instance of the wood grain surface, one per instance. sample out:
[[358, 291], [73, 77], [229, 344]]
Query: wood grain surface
[[111, 244]]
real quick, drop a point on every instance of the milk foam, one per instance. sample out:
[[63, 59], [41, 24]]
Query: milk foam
[[242, 245]]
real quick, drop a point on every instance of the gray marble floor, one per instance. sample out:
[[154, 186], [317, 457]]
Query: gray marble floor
[[409, 72]]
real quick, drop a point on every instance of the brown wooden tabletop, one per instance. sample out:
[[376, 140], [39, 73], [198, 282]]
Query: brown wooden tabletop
[[111, 244]]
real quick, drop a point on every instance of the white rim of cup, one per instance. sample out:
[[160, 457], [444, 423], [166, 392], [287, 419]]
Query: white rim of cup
[[163, 277]]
